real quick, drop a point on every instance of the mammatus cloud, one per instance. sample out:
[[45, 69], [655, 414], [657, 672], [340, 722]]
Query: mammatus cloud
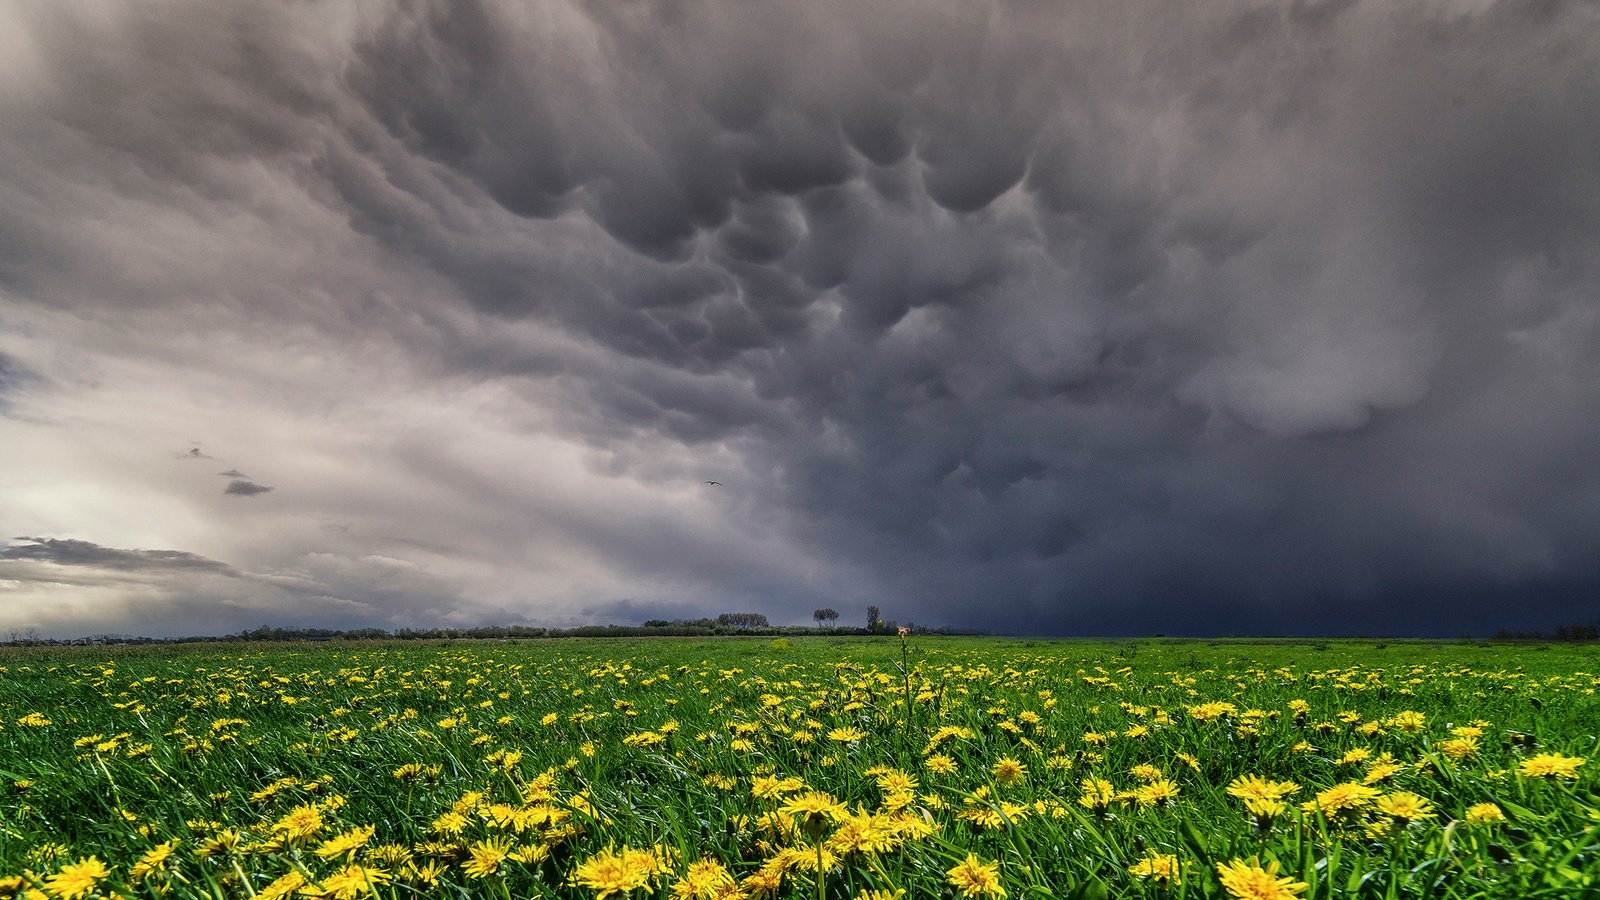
[[1242, 317]]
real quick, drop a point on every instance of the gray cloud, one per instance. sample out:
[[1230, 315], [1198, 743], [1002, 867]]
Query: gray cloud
[[241, 488], [69, 552], [1247, 316]]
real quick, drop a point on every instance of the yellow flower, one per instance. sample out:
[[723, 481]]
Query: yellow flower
[[975, 878], [896, 894], [1158, 867], [1248, 881], [1484, 813], [814, 803], [282, 887], [612, 872], [1404, 805], [76, 879], [1097, 793], [1008, 770], [705, 880], [1550, 765], [350, 882], [153, 861], [346, 843], [1249, 787], [939, 764], [1340, 797], [1157, 793], [846, 735], [299, 823], [486, 856]]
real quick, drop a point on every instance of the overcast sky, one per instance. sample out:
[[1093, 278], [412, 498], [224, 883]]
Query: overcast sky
[[1073, 318]]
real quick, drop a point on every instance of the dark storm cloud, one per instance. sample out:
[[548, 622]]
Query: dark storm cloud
[[242, 488], [1112, 317], [85, 554]]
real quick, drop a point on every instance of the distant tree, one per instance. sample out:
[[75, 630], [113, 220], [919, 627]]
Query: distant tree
[[873, 621], [743, 620], [826, 614]]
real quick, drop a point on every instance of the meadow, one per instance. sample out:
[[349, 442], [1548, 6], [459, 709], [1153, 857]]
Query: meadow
[[871, 768]]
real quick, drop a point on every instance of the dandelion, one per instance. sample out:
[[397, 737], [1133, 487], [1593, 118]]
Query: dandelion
[[1484, 814], [1161, 868], [1161, 792], [706, 879], [1097, 794], [846, 735], [612, 872], [299, 824], [1254, 787], [351, 882], [152, 861], [283, 887], [485, 856], [1404, 805], [939, 764], [346, 843], [1008, 770], [1340, 797], [1249, 881], [975, 878], [76, 879], [1550, 765]]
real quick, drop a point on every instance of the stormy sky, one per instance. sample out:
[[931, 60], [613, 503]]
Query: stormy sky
[[1070, 318]]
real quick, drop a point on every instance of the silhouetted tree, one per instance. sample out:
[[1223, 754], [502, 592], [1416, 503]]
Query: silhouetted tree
[[873, 621]]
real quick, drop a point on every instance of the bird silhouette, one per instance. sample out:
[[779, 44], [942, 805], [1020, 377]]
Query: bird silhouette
[[717, 483]]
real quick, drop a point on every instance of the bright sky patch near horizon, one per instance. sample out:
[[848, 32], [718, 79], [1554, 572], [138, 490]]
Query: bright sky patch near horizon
[[1107, 318]]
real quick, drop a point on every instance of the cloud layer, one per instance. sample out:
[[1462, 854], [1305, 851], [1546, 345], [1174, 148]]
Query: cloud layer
[[1076, 318]]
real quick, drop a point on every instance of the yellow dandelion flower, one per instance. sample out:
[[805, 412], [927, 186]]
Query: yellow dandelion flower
[[1008, 770], [283, 887], [484, 857], [298, 824], [1404, 805], [347, 843], [1248, 787], [1484, 814], [1096, 793], [1161, 868], [939, 764], [612, 872], [1340, 797], [1249, 881], [846, 735], [76, 879], [350, 882], [706, 879], [1550, 765], [1161, 792], [975, 878], [154, 860]]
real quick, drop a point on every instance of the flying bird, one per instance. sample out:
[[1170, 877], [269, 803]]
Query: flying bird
[[717, 483]]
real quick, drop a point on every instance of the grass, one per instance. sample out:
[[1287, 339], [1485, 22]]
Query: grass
[[807, 767]]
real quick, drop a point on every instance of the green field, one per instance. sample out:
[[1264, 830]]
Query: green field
[[817, 767]]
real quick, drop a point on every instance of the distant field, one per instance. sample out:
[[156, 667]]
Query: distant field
[[816, 767]]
